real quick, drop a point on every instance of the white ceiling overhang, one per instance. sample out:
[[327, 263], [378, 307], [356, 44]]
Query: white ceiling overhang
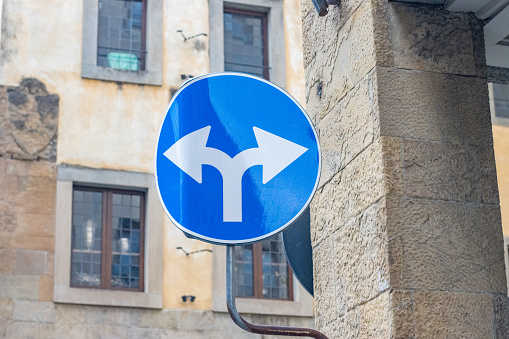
[[496, 30]]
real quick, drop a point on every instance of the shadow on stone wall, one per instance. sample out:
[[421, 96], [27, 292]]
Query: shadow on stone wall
[[28, 121]]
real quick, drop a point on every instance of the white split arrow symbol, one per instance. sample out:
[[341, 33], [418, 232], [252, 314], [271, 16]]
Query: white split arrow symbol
[[273, 153]]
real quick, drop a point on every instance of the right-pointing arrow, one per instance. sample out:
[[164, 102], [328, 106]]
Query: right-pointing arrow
[[277, 153]]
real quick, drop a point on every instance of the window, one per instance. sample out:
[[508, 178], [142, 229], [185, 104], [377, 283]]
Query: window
[[499, 100], [245, 42], [121, 34], [122, 41], [107, 238], [248, 36], [501, 96], [262, 271]]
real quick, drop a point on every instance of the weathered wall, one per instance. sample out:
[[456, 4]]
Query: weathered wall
[[28, 120], [406, 227], [99, 124]]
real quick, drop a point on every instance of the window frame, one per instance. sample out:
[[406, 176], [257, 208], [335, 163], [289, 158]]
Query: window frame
[[300, 306], [106, 240], [151, 75], [265, 28], [152, 294], [258, 275], [143, 32], [276, 34], [496, 120]]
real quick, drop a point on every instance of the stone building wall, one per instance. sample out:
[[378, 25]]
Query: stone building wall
[[405, 225], [28, 135], [28, 176]]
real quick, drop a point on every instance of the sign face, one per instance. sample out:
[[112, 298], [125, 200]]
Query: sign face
[[237, 159]]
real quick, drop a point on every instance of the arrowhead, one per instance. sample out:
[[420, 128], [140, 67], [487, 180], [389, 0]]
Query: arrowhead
[[278, 153], [183, 152]]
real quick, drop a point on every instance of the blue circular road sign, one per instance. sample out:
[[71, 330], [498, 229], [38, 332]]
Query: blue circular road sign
[[237, 159]]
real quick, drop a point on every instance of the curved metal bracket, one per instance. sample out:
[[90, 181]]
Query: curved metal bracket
[[253, 328]]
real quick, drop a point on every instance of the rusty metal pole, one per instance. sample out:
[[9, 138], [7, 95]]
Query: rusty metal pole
[[253, 328]]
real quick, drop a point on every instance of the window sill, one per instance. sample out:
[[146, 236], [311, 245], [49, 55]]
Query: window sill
[[117, 75], [89, 296]]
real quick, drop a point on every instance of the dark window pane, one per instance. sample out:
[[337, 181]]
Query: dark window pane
[[244, 271], [86, 238], [275, 268], [126, 241], [242, 32], [501, 98], [121, 28]]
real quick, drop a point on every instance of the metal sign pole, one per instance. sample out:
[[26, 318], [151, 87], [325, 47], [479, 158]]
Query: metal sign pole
[[253, 328]]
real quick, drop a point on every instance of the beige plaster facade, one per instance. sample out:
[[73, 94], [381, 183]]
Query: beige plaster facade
[[105, 132], [501, 142]]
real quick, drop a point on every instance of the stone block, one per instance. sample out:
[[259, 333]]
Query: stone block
[[442, 171], [28, 330], [36, 225], [6, 309], [42, 169], [320, 32], [21, 330], [347, 326], [401, 303], [46, 285], [501, 315], [7, 260], [195, 320], [360, 260], [34, 311], [146, 333], [340, 55], [392, 159], [158, 319], [452, 315], [41, 184], [97, 315], [17, 167], [326, 301], [432, 39], [439, 245], [27, 242], [433, 106], [19, 287], [488, 175], [3, 165], [346, 131], [375, 317], [352, 56], [73, 331], [30, 262], [348, 193], [41, 202]]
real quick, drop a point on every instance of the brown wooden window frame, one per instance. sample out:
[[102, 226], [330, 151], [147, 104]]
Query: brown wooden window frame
[[143, 51], [106, 237], [265, 28], [258, 276]]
